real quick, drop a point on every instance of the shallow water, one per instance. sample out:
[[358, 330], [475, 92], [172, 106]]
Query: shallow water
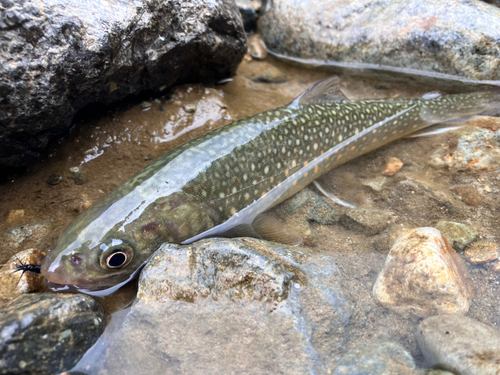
[[114, 146]]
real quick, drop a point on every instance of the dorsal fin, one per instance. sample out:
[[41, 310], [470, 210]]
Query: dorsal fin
[[325, 91]]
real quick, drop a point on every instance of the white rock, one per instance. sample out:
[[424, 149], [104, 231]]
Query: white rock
[[423, 276]]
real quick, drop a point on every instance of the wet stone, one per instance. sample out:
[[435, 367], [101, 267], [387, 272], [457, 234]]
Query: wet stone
[[322, 213], [482, 252], [376, 184], [458, 235], [416, 34], [392, 166], [423, 276], [15, 215], [228, 306], [14, 282], [317, 209], [54, 179], [460, 344], [476, 150], [19, 234], [256, 47], [47, 333], [366, 221], [102, 52], [145, 105], [76, 174], [377, 358], [189, 108]]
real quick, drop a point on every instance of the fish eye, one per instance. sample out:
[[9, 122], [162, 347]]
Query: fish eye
[[117, 256]]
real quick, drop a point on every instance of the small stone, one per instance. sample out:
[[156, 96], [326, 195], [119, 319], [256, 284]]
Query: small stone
[[392, 166], [14, 282], [458, 235], [482, 252], [423, 276], [322, 213], [256, 47], [366, 221], [145, 105], [54, 178], [76, 174], [460, 344], [15, 215], [47, 333], [148, 157], [378, 358], [189, 108], [82, 203], [377, 183], [21, 233]]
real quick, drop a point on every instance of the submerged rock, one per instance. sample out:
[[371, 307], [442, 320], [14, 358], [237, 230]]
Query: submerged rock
[[458, 235], [482, 252], [47, 333], [460, 344], [14, 282], [18, 235], [477, 150], [228, 306], [417, 34], [392, 166], [58, 57], [378, 358], [423, 276], [317, 209]]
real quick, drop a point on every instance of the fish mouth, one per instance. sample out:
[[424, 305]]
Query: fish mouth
[[58, 277]]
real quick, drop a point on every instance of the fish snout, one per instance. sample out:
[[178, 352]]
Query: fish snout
[[60, 269]]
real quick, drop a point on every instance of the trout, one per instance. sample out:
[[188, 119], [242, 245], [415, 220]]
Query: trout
[[223, 180]]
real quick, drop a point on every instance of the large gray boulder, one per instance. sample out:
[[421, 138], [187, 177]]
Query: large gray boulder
[[460, 38], [58, 57], [221, 306]]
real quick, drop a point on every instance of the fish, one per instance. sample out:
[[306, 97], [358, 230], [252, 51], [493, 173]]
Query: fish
[[223, 181]]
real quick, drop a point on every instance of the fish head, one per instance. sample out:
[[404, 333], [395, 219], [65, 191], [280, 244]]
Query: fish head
[[108, 243], [91, 265]]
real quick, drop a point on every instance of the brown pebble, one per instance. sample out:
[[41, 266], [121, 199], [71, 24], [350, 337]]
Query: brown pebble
[[423, 276], [256, 47], [13, 282], [482, 252], [392, 166], [15, 215]]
